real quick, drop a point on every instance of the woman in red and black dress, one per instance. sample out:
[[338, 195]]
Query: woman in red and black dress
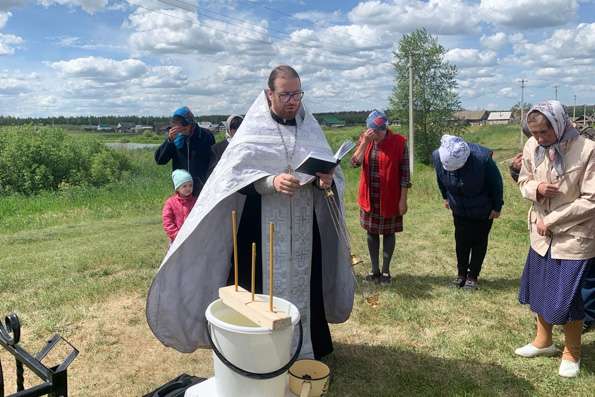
[[384, 181]]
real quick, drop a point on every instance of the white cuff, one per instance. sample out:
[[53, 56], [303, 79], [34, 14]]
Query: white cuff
[[265, 185]]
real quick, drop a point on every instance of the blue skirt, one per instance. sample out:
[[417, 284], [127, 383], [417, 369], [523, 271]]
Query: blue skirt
[[552, 287]]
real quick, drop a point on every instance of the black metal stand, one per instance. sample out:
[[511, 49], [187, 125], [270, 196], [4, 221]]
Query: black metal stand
[[54, 379]]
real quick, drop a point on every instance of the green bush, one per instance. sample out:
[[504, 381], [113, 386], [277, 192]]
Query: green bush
[[34, 159]]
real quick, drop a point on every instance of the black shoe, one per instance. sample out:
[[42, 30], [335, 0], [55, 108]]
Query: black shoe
[[373, 277], [385, 278], [588, 326], [458, 282], [470, 285]]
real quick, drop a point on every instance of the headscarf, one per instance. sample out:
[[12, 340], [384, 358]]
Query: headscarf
[[228, 122], [186, 117], [560, 122], [376, 120], [453, 151]]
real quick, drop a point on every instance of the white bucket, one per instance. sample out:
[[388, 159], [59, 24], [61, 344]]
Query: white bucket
[[251, 348]]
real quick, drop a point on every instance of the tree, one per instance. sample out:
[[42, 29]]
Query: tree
[[434, 91], [516, 110]]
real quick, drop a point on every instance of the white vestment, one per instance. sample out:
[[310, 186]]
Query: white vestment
[[198, 262]]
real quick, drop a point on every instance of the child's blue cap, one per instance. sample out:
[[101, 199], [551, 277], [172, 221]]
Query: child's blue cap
[[180, 177]]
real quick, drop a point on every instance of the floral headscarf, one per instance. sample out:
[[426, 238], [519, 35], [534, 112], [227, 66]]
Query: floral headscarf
[[560, 122], [453, 152]]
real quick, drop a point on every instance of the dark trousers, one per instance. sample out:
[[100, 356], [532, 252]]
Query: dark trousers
[[588, 292], [471, 237]]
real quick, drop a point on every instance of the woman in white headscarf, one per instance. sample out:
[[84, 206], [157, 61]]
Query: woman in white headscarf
[[471, 186], [231, 126], [558, 177]]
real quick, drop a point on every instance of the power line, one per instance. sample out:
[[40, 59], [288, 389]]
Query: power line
[[213, 14], [283, 36], [206, 23]]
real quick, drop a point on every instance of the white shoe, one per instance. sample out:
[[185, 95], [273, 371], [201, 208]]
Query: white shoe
[[569, 369], [531, 351]]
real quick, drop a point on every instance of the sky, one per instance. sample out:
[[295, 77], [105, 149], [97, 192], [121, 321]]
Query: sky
[[148, 57]]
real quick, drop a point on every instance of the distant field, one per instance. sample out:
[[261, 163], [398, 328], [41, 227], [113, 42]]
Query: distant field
[[79, 262]]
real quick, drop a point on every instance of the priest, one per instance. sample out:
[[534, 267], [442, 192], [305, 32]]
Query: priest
[[256, 177]]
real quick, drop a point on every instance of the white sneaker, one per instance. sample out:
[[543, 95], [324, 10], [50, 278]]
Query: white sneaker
[[569, 369], [531, 351]]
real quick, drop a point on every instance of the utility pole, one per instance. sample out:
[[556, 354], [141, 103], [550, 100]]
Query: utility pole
[[574, 109], [556, 88], [411, 128], [523, 81]]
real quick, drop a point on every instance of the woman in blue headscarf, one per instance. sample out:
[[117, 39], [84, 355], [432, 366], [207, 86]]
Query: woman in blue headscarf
[[558, 177]]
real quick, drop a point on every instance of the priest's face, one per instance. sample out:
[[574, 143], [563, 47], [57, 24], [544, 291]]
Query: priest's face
[[286, 98]]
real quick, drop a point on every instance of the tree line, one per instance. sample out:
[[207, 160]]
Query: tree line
[[350, 118]]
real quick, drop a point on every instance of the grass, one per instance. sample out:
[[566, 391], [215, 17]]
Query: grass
[[79, 262]]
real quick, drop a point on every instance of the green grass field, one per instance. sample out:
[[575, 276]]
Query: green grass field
[[79, 262]]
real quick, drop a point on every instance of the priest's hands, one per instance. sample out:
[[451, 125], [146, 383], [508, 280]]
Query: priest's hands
[[286, 184], [325, 181]]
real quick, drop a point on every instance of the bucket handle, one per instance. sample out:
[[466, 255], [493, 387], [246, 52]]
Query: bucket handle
[[254, 375]]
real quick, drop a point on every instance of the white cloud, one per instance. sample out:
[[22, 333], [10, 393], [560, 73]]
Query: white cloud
[[8, 43], [101, 69], [13, 85], [495, 41], [525, 14], [438, 16], [471, 57], [319, 18], [77, 42], [369, 72], [564, 46], [163, 77], [90, 6], [341, 39], [178, 32], [507, 92], [3, 18]]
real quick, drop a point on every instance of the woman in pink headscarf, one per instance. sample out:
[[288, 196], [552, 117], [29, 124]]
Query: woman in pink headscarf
[[558, 177]]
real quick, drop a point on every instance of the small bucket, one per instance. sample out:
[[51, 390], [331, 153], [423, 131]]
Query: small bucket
[[309, 378], [249, 360]]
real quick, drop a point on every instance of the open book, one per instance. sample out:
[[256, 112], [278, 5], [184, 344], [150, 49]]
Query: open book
[[321, 162]]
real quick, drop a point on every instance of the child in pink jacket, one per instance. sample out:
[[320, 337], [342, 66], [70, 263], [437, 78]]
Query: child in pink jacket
[[178, 206]]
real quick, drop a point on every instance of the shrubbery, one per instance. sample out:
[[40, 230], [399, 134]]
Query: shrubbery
[[33, 159]]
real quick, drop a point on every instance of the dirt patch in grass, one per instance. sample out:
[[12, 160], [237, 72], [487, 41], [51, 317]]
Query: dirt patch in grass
[[119, 356]]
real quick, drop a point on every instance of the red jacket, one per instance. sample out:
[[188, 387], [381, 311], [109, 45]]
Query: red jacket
[[175, 211], [390, 153]]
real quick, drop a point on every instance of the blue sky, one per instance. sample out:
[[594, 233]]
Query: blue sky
[[73, 57]]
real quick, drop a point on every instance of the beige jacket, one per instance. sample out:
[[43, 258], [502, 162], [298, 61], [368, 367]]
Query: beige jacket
[[570, 216]]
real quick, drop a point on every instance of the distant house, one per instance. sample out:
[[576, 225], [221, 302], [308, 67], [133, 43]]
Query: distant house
[[499, 118], [208, 125], [220, 127], [142, 128], [472, 117], [125, 127], [331, 121], [104, 127]]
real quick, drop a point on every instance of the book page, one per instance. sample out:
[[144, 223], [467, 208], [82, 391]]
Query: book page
[[304, 178], [344, 149]]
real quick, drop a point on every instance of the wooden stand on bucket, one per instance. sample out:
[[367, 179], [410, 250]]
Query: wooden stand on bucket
[[253, 307]]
